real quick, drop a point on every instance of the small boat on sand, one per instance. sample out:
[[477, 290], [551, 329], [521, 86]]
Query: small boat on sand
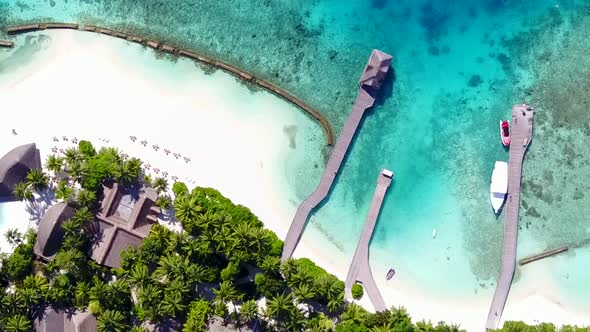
[[499, 185], [390, 273], [505, 132]]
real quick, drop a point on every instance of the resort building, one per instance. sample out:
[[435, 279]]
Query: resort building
[[50, 233], [124, 219], [15, 166], [61, 321]]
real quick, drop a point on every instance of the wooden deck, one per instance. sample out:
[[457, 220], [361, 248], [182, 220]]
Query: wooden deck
[[521, 134], [363, 101], [360, 270]]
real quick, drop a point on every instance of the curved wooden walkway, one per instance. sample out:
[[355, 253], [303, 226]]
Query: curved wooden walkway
[[6, 43], [364, 100], [360, 270], [241, 74], [521, 134]]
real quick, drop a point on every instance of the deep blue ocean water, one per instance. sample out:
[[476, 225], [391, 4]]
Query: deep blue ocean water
[[459, 68]]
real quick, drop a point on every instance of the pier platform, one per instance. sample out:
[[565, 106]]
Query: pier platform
[[360, 270], [521, 134], [369, 87]]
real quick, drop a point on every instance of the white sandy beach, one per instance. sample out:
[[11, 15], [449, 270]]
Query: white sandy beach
[[86, 86]]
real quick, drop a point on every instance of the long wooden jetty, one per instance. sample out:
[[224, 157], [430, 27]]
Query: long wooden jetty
[[239, 73], [6, 43], [369, 86], [360, 270], [542, 255], [521, 134]]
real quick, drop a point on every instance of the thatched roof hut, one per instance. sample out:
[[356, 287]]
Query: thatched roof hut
[[50, 234], [61, 321], [15, 165], [375, 72]]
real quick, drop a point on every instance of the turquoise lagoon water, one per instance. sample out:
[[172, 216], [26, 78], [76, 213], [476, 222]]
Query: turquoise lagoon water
[[459, 67]]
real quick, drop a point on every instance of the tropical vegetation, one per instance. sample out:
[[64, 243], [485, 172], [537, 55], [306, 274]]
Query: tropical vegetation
[[223, 267]]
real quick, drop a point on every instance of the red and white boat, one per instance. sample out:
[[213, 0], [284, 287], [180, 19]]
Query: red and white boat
[[505, 132]]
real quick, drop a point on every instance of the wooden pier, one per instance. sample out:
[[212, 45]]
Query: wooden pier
[[542, 255], [360, 270], [6, 43], [369, 86], [521, 134], [156, 45]]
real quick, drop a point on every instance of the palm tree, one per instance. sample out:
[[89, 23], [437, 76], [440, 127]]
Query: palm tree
[[13, 236], [336, 303], [296, 321], [124, 174], [83, 216], [171, 266], [160, 184], [249, 311], [149, 298], [303, 292], [38, 179], [187, 208], [139, 275], [63, 191], [18, 323], [300, 277], [172, 304], [271, 265], [355, 313], [178, 286], [226, 292], [138, 329], [35, 288], [112, 321], [289, 267], [81, 294], [280, 306], [384, 328], [22, 191], [54, 164], [72, 156], [86, 198]]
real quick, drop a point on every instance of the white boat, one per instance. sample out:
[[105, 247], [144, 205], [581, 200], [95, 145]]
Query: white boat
[[499, 185]]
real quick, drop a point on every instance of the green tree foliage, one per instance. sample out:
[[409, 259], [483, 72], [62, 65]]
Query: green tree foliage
[[230, 272], [249, 311], [63, 191], [18, 323], [160, 184], [357, 291], [13, 236], [179, 189], [20, 264], [86, 149], [54, 163], [37, 179], [112, 321], [22, 191]]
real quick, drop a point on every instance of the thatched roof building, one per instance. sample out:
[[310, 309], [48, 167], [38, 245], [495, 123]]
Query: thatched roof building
[[61, 321], [50, 234], [15, 165], [124, 219], [375, 72]]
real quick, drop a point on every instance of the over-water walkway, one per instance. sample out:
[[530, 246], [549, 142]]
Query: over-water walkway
[[360, 270], [521, 134], [369, 86]]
